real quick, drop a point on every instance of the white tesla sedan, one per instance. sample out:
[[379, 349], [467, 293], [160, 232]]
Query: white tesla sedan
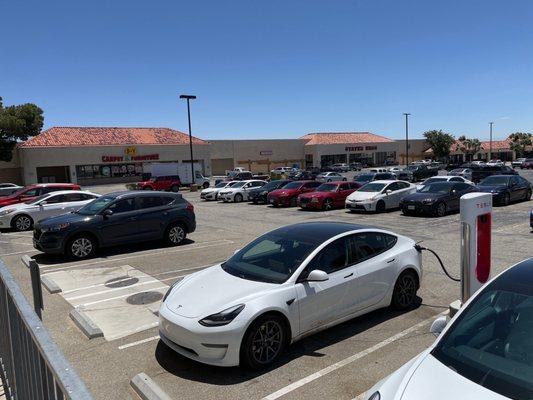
[[443, 178], [287, 284], [484, 353], [239, 191], [379, 195], [212, 192], [22, 216]]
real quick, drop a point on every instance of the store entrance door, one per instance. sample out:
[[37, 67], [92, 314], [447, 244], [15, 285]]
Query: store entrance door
[[60, 174]]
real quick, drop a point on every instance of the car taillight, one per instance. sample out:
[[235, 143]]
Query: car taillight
[[189, 207]]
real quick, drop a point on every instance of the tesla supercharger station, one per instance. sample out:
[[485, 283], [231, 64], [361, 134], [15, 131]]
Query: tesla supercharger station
[[476, 223]]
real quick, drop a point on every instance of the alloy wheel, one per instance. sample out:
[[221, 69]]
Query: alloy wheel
[[406, 290], [441, 209], [267, 342], [176, 234], [23, 223], [506, 200], [328, 204], [81, 247]]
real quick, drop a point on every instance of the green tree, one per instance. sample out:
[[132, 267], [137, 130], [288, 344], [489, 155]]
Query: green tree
[[469, 146], [17, 124], [440, 142], [519, 141]]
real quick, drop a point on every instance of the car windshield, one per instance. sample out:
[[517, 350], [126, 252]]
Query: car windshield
[[271, 258], [495, 180], [412, 167], [221, 184], [238, 184], [327, 187], [433, 180], [272, 185], [95, 206], [442, 188], [490, 343], [293, 185], [364, 178], [34, 201], [372, 187]]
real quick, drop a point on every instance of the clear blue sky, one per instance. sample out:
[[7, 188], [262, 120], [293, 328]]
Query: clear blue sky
[[276, 68]]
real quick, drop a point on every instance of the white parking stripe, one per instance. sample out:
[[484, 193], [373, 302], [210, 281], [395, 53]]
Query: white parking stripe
[[16, 252], [125, 346], [120, 297], [8, 242], [346, 361]]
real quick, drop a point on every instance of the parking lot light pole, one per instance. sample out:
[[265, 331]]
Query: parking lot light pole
[[406, 138], [190, 97], [490, 142]]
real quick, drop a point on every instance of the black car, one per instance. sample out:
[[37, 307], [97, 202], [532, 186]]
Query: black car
[[506, 188], [259, 195], [374, 176], [302, 176], [436, 198], [422, 172], [480, 172], [114, 219]]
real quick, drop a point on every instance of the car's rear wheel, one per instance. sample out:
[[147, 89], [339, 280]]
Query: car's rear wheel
[[22, 223], [506, 199], [237, 198], [380, 206], [405, 290], [327, 205], [263, 342], [175, 234], [205, 185], [440, 211], [174, 188], [528, 195], [294, 202], [82, 246]]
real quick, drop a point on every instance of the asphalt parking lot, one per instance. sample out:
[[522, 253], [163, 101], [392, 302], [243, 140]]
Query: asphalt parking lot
[[121, 288]]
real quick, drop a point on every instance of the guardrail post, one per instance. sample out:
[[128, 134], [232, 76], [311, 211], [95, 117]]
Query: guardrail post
[[36, 287]]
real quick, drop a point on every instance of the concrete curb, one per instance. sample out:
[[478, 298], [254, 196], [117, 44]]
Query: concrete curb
[[50, 285], [147, 389], [87, 326]]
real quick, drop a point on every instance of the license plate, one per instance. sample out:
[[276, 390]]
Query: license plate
[[411, 207]]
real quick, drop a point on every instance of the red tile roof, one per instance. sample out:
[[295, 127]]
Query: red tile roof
[[485, 145], [104, 136], [344, 138]]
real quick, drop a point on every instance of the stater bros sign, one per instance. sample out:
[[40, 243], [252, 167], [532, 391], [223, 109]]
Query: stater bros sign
[[130, 154]]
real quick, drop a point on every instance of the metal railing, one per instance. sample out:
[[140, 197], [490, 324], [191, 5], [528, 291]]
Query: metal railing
[[31, 365]]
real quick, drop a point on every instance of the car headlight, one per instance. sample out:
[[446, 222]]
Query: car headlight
[[223, 317], [8, 211], [314, 200], [56, 228], [375, 396]]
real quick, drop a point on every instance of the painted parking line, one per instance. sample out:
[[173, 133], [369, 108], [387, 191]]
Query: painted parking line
[[8, 242], [138, 342], [295, 385], [15, 252]]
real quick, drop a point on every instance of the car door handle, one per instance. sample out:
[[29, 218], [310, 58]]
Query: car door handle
[[133, 218], [347, 276], [388, 262]]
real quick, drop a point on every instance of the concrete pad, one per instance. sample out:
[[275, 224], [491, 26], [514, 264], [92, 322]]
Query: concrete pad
[[147, 389]]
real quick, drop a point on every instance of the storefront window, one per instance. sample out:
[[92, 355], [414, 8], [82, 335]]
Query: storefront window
[[108, 171], [332, 159]]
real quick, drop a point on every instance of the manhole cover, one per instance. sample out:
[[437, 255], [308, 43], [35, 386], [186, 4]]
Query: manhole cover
[[144, 298], [121, 281]]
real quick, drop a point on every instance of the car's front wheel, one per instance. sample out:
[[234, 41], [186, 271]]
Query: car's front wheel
[[237, 198], [440, 210], [405, 290], [506, 199], [327, 205], [175, 188], [175, 234], [263, 342], [82, 246], [22, 223], [205, 185], [380, 206]]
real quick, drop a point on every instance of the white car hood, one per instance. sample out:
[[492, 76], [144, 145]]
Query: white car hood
[[19, 206], [210, 291], [362, 195], [432, 380]]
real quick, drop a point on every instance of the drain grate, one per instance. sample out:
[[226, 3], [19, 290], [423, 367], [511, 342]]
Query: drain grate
[[144, 298], [121, 281]]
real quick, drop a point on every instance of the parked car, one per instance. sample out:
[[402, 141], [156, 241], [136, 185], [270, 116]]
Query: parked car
[[327, 196], [373, 176], [379, 195], [239, 191], [478, 173], [518, 162], [443, 178], [421, 172], [114, 219], [356, 166], [282, 170], [161, 183], [465, 173], [531, 218], [240, 176], [259, 195], [22, 216], [288, 194], [343, 167], [8, 188], [302, 176], [495, 163], [506, 188], [484, 352], [401, 174], [478, 162], [212, 193], [313, 170], [436, 198], [31, 192], [379, 170], [314, 275], [528, 164], [330, 177]]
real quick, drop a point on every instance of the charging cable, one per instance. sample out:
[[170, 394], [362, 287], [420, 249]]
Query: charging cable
[[420, 248]]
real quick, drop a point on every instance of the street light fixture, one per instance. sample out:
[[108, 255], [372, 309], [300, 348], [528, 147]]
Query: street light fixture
[[490, 141], [189, 97], [406, 138]]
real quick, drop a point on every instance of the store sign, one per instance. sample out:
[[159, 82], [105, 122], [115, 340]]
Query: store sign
[[371, 148], [266, 153], [358, 148], [130, 154]]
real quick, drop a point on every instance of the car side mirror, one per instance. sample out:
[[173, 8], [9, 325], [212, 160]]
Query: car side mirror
[[236, 251], [107, 213], [438, 325], [317, 275], [388, 191]]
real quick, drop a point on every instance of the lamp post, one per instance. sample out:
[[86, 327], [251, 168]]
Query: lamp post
[[406, 138], [189, 97], [490, 142]]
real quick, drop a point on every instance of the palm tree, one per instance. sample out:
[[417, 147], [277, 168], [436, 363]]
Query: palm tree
[[469, 147]]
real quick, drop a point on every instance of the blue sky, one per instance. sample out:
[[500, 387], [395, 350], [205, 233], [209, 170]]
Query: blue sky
[[273, 69]]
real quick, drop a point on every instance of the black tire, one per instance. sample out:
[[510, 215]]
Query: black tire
[[405, 211], [506, 199], [294, 202], [254, 201], [205, 185], [264, 341], [327, 204], [380, 206], [22, 223], [81, 246], [405, 289], [175, 234], [528, 195], [440, 210], [175, 188], [329, 180], [344, 179], [237, 198]]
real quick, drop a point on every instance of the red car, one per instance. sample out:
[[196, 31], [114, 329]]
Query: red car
[[287, 195], [527, 164], [168, 182], [328, 195], [31, 192]]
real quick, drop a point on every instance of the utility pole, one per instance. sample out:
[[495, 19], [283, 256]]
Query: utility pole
[[190, 97], [406, 138], [490, 142]]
